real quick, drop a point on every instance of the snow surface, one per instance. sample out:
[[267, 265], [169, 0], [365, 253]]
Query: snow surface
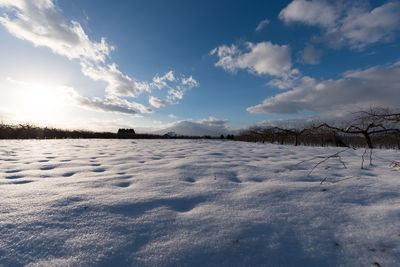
[[194, 203]]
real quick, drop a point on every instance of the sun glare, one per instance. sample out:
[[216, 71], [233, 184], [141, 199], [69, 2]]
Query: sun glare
[[42, 104]]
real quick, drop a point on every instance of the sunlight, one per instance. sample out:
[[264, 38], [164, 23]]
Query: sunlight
[[42, 103]]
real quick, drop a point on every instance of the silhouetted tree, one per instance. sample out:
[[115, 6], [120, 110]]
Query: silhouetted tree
[[126, 133], [229, 137], [369, 123]]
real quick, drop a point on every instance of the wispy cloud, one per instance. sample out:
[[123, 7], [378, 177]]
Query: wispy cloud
[[351, 23], [377, 85], [119, 84], [310, 55], [214, 122], [189, 82], [42, 23], [156, 102], [162, 82], [262, 25], [175, 88], [110, 104]]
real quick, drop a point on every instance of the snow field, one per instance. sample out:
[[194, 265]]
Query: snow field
[[194, 203]]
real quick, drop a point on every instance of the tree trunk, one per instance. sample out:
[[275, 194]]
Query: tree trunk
[[368, 140]]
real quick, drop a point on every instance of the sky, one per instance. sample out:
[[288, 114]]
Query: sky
[[102, 65]]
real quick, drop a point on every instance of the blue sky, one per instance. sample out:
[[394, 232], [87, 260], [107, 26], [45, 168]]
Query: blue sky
[[108, 64]]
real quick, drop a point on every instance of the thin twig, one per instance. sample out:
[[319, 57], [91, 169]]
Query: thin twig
[[395, 164], [325, 159], [294, 165], [341, 161], [316, 157]]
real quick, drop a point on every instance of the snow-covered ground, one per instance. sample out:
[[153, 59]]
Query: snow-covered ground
[[195, 203]]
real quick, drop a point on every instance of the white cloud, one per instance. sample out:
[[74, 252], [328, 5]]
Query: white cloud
[[330, 117], [118, 83], [190, 82], [111, 104], [362, 27], [172, 116], [213, 122], [351, 23], [337, 117], [176, 88], [310, 55], [286, 81], [314, 13], [156, 102], [378, 86], [262, 25], [175, 94], [161, 82], [260, 59], [128, 104], [226, 56], [41, 23]]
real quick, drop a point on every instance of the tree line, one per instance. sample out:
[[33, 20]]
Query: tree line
[[372, 128], [29, 131]]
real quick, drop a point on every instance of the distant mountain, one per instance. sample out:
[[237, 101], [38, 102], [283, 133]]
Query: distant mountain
[[189, 128]]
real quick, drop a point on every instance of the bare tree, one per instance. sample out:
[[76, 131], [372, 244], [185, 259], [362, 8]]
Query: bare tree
[[368, 123], [372, 127], [295, 133]]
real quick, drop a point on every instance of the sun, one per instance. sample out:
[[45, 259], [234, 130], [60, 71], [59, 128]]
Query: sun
[[42, 104]]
